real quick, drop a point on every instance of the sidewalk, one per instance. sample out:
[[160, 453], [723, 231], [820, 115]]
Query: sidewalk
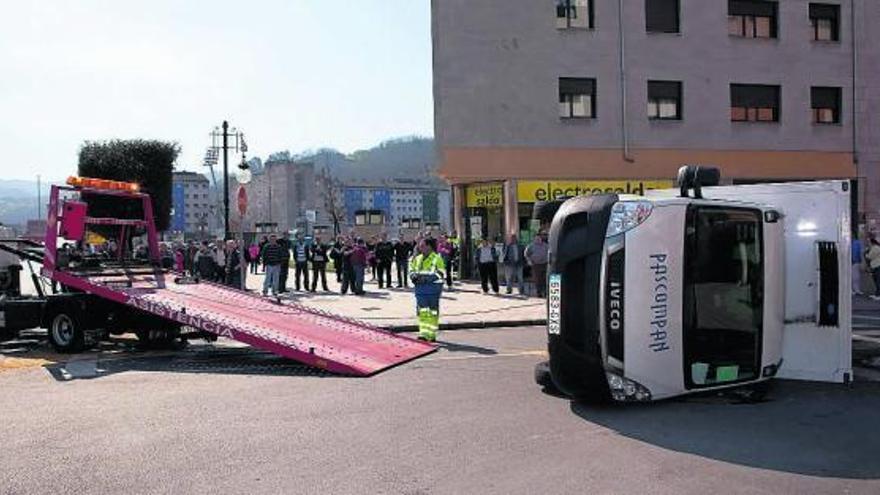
[[464, 307]]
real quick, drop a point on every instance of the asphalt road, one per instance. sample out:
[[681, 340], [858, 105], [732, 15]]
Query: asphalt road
[[467, 419]]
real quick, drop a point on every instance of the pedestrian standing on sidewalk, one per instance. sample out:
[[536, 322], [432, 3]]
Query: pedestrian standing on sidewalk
[[427, 273], [487, 257], [857, 256], [370, 247], [402, 251], [301, 257], [318, 255], [233, 265], [335, 254], [358, 265], [263, 242], [254, 254], [384, 259], [512, 260], [284, 272], [537, 255], [272, 257], [444, 249], [873, 257], [204, 262], [220, 259], [346, 267]]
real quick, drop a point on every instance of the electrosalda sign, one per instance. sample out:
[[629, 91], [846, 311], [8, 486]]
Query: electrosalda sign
[[533, 191]]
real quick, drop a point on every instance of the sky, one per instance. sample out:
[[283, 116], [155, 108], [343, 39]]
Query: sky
[[291, 74]]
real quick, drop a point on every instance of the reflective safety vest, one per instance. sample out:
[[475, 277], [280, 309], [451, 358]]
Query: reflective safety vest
[[433, 263]]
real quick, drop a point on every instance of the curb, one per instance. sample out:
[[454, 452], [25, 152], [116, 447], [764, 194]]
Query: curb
[[469, 325]]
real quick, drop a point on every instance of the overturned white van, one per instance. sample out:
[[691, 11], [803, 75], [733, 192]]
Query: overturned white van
[[700, 288]]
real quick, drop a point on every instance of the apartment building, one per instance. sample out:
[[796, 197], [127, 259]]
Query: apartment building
[[536, 99], [194, 207]]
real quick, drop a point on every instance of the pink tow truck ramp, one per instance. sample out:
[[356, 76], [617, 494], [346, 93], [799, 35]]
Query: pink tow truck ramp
[[304, 334], [317, 338]]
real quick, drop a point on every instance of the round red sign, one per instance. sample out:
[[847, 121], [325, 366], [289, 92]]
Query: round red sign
[[242, 200]]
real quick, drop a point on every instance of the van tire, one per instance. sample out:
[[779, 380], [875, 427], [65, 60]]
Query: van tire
[[66, 333]]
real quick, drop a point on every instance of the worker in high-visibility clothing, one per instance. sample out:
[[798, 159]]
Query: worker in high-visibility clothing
[[426, 271]]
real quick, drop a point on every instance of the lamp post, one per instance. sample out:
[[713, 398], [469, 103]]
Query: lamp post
[[220, 141]]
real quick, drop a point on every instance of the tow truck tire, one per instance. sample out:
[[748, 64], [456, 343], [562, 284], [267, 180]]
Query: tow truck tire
[[66, 333], [157, 339]]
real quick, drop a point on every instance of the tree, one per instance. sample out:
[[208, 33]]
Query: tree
[[147, 162], [333, 201]]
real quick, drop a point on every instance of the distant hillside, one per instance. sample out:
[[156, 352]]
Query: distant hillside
[[18, 200], [410, 160]]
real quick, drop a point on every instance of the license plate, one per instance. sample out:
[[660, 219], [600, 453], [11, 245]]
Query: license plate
[[554, 303]]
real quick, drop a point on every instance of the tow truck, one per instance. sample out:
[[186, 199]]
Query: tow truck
[[94, 293], [700, 288]]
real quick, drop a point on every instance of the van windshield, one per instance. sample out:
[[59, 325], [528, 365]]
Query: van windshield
[[723, 295]]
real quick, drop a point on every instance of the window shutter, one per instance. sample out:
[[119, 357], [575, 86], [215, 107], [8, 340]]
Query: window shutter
[[751, 7], [825, 97], [754, 96], [576, 85]]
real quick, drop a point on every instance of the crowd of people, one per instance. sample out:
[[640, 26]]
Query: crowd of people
[[385, 261], [353, 259]]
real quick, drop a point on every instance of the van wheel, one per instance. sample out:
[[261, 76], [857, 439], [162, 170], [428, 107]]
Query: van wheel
[[66, 333]]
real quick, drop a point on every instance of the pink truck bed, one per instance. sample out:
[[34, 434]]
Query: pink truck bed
[[304, 334]]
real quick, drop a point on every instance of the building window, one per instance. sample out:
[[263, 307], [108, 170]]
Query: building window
[[752, 18], [574, 14], [369, 217], [664, 100], [825, 21], [411, 223], [661, 16], [826, 105], [577, 98], [754, 103]]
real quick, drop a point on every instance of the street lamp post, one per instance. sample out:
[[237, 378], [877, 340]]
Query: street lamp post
[[223, 134]]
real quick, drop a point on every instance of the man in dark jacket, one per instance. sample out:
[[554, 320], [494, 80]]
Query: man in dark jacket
[[384, 258], [284, 243], [402, 251], [233, 265], [348, 281], [272, 256], [318, 254]]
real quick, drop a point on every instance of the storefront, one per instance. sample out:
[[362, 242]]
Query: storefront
[[494, 210]]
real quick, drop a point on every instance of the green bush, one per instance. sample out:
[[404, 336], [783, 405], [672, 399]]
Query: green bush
[[147, 162]]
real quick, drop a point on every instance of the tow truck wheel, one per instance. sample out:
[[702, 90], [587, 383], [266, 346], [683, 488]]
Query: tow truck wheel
[[157, 339], [66, 333]]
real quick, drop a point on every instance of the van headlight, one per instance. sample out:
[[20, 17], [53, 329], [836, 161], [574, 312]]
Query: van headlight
[[626, 215], [626, 390]]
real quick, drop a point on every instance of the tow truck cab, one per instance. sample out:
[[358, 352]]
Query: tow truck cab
[[665, 295]]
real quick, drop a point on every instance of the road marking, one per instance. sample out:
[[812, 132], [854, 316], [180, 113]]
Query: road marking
[[866, 317]]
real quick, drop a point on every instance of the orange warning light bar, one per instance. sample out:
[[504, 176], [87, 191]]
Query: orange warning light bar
[[93, 183]]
